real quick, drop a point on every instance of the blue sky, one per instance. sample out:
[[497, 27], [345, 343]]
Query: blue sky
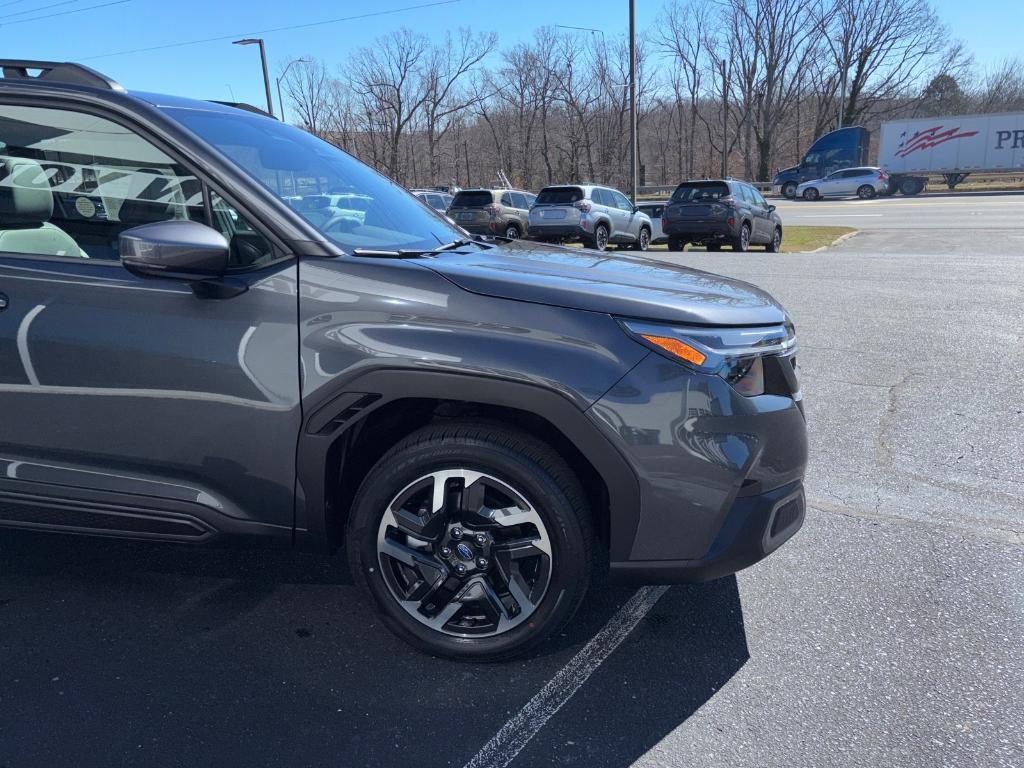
[[217, 69]]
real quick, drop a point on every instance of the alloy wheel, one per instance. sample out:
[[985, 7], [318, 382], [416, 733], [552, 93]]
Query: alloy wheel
[[645, 239], [464, 553], [512, 233], [601, 237]]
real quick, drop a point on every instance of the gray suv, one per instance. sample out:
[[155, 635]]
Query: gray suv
[[188, 355], [596, 216], [495, 212]]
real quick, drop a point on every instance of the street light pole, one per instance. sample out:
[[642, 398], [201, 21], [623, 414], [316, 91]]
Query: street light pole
[[266, 72], [632, 102], [280, 101]]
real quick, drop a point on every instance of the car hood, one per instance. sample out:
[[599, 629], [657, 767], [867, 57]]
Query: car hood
[[616, 284]]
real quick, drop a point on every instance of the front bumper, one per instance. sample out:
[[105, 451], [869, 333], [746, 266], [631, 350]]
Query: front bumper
[[754, 528], [711, 466]]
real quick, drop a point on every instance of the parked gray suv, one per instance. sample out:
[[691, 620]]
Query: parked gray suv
[[596, 216], [188, 356]]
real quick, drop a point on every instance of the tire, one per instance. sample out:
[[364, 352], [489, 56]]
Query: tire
[[911, 187], [714, 247], [512, 232], [789, 189], [741, 243], [866, 192], [812, 194], [515, 471], [776, 242], [676, 243], [645, 240], [599, 242]]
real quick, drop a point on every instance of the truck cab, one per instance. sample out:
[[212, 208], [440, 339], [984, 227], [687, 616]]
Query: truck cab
[[843, 148]]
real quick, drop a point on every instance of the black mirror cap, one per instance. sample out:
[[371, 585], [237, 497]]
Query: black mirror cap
[[771, 208], [185, 250]]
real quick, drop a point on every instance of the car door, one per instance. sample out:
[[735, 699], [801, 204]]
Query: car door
[[764, 228], [629, 228], [522, 210], [132, 405]]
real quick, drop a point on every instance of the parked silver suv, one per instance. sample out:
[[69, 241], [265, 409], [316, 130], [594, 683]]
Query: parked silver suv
[[597, 216]]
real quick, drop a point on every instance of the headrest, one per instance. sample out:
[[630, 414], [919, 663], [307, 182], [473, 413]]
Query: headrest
[[25, 194]]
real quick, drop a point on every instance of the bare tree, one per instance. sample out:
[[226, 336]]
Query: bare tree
[[444, 81], [386, 76]]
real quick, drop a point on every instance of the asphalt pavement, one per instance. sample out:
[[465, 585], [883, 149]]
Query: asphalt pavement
[[963, 211], [887, 632]]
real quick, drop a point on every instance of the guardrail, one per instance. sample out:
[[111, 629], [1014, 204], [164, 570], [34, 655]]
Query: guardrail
[[668, 189]]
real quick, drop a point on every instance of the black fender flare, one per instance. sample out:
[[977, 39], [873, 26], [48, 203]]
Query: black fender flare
[[351, 401]]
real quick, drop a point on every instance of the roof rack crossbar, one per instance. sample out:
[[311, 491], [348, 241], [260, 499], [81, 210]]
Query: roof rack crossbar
[[56, 72]]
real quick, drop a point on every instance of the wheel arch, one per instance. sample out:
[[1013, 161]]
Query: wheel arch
[[343, 438]]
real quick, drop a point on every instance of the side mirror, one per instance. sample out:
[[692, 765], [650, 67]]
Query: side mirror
[[183, 250], [771, 208]]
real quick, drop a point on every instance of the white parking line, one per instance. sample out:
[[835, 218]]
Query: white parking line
[[835, 215], [517, 732]]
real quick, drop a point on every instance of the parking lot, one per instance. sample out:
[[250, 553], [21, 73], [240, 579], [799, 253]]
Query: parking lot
[[888, 632]]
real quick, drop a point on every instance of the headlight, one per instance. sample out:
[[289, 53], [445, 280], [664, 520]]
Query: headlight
[[735, 354]]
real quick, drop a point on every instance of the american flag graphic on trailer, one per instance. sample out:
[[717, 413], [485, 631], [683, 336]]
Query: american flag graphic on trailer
[[928, 138]]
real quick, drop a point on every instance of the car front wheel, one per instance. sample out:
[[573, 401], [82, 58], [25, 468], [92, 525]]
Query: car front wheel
[[644, 241], [473, 540]]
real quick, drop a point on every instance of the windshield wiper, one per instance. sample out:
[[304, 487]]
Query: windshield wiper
[[412, 253]]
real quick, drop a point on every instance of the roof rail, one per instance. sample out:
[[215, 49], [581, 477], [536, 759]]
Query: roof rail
[[56, 72]]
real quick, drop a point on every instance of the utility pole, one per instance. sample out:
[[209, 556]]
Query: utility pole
[[632, 102], [280, 101], [266, 72]]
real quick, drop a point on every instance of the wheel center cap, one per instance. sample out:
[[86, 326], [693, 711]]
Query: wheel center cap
[[464, 551]]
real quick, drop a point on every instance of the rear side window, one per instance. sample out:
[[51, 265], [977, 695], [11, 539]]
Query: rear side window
[[559, 196], [602, 197], [506, 199], [519, 200], [473, 199], [700, 192]]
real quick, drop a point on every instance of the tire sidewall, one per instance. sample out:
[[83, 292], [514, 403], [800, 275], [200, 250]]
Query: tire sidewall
[[570, 572]]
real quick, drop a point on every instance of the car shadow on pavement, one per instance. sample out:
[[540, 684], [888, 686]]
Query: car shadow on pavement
[[146, 654]]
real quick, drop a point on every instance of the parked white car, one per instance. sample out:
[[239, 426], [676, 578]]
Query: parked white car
[[864, 182], [654, 209]]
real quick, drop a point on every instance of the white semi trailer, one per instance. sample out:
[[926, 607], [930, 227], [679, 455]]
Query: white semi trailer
[[910, 150]]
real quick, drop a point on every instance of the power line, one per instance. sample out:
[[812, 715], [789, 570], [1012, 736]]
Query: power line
[[11, 2], [268, 31], [37, 10], [63, 13]]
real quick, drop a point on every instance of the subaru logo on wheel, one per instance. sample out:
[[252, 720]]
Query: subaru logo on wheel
[[464, 551]]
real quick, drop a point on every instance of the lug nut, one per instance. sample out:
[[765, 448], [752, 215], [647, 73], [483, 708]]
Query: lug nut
[[460, 569], [481, 539], [482, 563], [446, 551], [457, 533]]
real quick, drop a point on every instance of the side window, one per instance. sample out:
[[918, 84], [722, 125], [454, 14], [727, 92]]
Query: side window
[[248, 248], [756, 198], [434, 201], [601, 197], [622, 202], [71, 182], [743, 193], [519, 200], [530, 200], [506, 199]]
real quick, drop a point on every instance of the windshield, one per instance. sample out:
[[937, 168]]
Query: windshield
[[348, 202], [700, 192]]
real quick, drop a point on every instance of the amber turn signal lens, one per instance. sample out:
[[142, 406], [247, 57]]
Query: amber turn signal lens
[[678, 348]]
